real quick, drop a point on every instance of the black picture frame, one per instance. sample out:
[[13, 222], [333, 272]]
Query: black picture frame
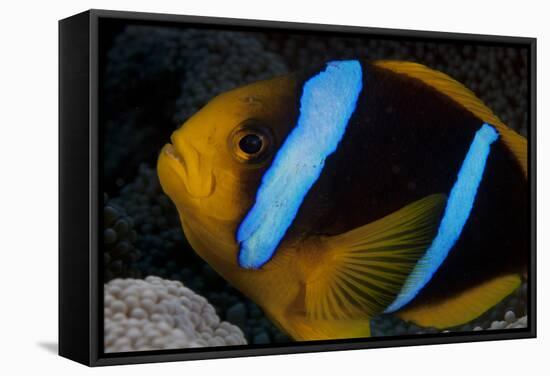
[[80, 284]]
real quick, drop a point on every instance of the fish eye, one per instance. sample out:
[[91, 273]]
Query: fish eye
[[251, 142]]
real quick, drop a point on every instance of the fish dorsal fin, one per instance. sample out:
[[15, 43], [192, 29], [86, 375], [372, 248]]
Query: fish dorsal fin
[[463, 307], [363, 270], [466, 98]]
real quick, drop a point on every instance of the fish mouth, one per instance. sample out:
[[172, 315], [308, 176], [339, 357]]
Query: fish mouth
[[171, 151], [193, 171]]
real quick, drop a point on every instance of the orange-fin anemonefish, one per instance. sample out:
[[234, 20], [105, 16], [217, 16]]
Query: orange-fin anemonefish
[[353, 189]]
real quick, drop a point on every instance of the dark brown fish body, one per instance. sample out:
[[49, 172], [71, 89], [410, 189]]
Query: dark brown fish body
[[405, 141]]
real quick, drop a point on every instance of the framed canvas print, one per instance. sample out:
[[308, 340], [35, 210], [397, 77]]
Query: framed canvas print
[[238, 187]]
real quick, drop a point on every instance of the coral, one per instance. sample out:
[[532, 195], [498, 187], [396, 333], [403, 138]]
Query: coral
[[155, 314], [119, 237]]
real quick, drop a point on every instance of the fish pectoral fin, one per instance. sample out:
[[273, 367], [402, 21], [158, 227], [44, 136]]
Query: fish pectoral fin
[[464, 97], [364, 269], [463, 307]]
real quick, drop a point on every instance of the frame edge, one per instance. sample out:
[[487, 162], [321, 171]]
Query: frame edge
[[74, 159]]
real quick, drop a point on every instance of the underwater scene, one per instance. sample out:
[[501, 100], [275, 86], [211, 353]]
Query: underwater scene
[[267, 187]]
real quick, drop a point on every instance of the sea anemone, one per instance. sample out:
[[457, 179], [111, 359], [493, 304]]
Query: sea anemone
[[119, 236]]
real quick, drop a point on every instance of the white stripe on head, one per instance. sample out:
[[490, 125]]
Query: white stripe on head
[[327, 103]]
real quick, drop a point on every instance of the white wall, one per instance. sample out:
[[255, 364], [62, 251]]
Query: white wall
[[28, 210]]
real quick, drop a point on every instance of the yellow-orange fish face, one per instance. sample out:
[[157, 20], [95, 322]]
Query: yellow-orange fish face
[[214, 164]]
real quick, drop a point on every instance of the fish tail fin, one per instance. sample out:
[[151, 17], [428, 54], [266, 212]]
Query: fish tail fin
[[459, 93]]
